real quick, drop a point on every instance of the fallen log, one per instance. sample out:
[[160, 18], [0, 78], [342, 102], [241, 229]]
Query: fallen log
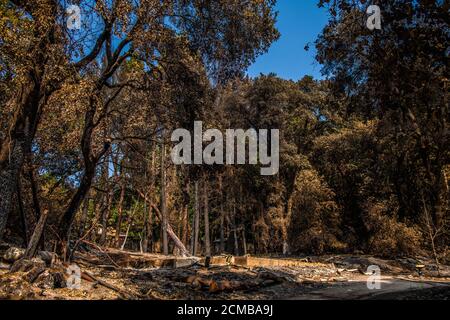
[[124, 294], [101, 251], [170, 232], [214, 286], [172, 235], [37, 235]]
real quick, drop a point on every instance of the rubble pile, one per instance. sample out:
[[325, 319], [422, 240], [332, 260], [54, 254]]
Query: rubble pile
[[114, 274]]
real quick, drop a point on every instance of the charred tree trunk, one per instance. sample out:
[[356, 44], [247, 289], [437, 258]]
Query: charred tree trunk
[[147, 242], [441, 196], [130, 224], [35, 196], [144, 241], [108, 192], [108, 197], [84, 216], [196, 225], [164, 220], [69, 215], [36, 237], [222, 229], [206, 217], [90, 123], [105, 216], [184, 236], [23, 218], [222, 219], [151, 196], [90, 164], [244, 242], [120, 213], [235, 235], [27, 105], [15, 146]]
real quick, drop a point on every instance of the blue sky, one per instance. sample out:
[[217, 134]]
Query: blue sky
[[299, 22]]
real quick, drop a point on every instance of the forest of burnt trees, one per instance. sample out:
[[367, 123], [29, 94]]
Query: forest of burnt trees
[[87, 115]]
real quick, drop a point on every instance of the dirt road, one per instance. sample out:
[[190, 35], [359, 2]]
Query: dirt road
[[391, 288]]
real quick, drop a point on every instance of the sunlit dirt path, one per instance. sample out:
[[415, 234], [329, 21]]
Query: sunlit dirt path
[[357, 289]]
